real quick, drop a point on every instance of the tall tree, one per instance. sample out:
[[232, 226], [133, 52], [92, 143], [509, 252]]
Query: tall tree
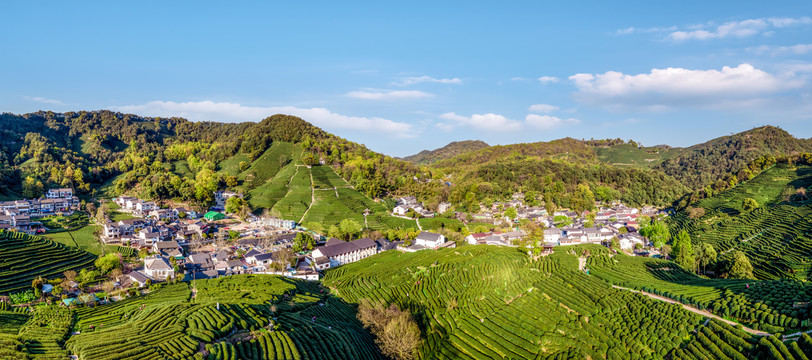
[[349, 228], [708, 255], [684, 251], [656, 232], [740, 266]]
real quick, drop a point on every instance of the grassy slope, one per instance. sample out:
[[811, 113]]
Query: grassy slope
[[632, 156], [776, 237], [286, 192], [270, 162], [85, 238], [298, 197], [231, 166]]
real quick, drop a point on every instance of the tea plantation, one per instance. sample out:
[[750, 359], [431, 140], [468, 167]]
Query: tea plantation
[[768, 305], [473, 302], [481, 302], [776, 237], [24, 258]]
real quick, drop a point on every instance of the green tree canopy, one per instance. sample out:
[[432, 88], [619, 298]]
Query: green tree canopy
[[749, 204], [740, 266], [684, 251], [349, 228], [656, 232], [511, 213], [303, 241], [108, 262]]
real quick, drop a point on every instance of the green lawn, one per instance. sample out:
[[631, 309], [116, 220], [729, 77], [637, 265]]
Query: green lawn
[[438, 223], [85, 239], [231, 165], [181, 167]]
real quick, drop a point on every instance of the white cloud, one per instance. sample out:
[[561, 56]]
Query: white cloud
[[232, 112], [389, 94], [489, 122], [44, 100], [738, 29], [798, 68], [677, 87], [547, 79], [425, 78], [632, 30], [547, 122], [542, 108], [446, 127], [799, 49], [496, 122], [518, 78]]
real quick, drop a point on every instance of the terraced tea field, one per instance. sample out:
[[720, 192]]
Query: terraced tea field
[[24, 258], [776, 237]]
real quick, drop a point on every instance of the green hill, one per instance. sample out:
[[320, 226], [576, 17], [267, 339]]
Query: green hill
[[776, 237], [630, 155], [453, 149], [702, 164]]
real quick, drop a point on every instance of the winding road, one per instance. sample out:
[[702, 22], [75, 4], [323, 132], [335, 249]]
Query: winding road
[[695, 310], [582, 266]]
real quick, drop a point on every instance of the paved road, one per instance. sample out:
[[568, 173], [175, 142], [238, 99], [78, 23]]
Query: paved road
[[695, 310]]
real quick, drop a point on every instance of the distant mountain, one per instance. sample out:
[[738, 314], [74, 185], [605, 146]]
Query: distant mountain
[[451, 150], [704, 163]]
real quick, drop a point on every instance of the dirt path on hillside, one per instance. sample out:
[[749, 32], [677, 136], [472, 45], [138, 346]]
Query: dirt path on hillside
[[696, 311], [312, 197], [744, 241]]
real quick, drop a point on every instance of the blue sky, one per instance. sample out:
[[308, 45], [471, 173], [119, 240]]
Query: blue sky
[[405, 77]]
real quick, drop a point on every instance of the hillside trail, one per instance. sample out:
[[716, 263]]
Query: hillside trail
[[695, 310], [744, 241], [418, 224], [582, 265], [312, 196]]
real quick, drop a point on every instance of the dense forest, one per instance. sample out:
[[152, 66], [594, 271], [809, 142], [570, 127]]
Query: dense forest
[[453, 149]]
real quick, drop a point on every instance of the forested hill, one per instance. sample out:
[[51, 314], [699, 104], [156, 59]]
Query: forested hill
[[105, 153], [451, 150], [168, 158], [702, 164]]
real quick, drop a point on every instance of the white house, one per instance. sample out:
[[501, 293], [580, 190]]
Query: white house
[[59, 193], [149, 235], [158, 268], [346, 252], [400, 210], [429, 240], [552, 235]]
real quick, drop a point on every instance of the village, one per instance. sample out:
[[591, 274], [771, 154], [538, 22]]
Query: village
[[177, 243]]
